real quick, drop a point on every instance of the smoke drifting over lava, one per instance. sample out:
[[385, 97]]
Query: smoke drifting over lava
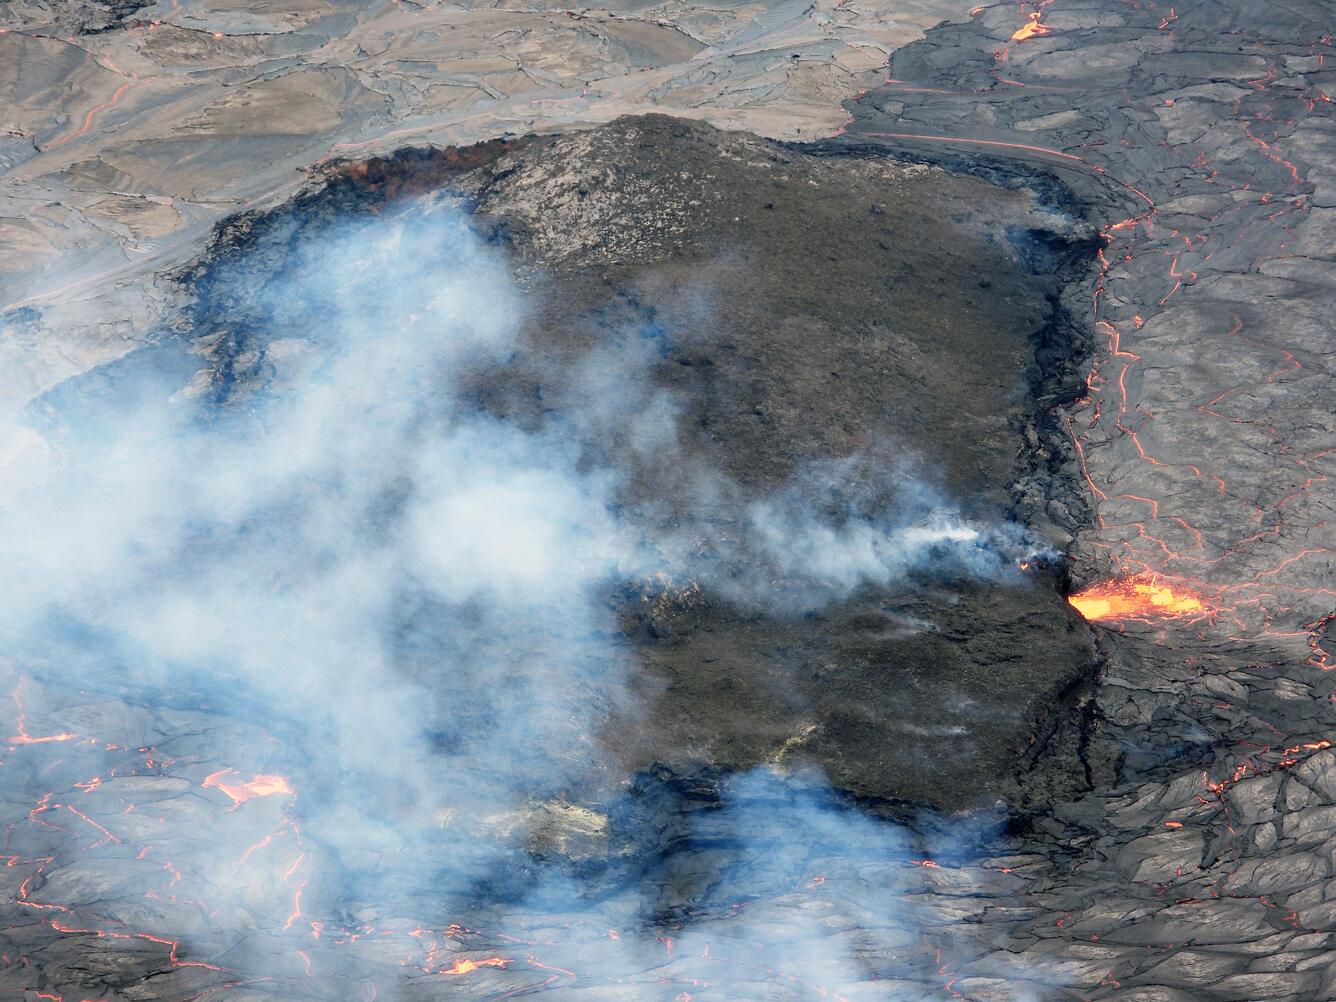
[[415, 591]]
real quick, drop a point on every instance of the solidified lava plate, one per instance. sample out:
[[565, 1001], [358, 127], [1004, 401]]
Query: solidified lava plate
[[651, 561]]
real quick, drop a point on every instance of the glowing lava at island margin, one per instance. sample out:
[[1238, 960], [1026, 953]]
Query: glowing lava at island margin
[[1144, 596]]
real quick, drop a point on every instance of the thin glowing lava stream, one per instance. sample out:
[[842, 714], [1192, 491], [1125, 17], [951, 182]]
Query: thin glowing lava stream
[[1137, 597]]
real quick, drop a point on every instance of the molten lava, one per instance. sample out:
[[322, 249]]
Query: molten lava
[[468, 966], [1138, 597], [1031, 29], [242, 790]]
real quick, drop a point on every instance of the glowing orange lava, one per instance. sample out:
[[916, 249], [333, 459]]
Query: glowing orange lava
[[1031, 29], [468, 966], [1139, 597], [242, 790], [22, 737]]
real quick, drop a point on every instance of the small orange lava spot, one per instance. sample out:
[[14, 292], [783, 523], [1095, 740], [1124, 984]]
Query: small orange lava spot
[[1138, 597], [1031, 29], [1173, 824], [241, 790], [468, 966]]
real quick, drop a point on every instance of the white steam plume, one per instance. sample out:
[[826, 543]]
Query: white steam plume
[[415, 585]]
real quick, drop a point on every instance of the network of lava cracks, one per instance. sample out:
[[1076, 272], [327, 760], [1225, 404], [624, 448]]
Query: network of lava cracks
[[60, 815], [1155, 583], [1159, 580], [1152, 585], [61, 822], [1154, 580]]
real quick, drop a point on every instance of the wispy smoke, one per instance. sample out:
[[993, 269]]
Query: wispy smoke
[[417, 587], [847, 523], [780, 890]]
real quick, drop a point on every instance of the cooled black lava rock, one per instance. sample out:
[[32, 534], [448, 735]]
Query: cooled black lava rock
[[800, 309]]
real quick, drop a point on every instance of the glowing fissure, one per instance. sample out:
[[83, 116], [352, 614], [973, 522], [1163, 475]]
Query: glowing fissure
[[1167, 572], [469, 966]]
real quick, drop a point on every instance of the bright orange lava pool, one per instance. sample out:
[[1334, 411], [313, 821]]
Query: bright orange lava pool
[[1136, 598]]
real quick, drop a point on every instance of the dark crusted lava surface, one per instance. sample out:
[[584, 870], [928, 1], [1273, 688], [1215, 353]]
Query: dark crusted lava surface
[[798, 310], [806, 310]]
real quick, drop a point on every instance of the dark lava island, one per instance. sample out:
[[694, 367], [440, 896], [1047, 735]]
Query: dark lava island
[[886, 322]]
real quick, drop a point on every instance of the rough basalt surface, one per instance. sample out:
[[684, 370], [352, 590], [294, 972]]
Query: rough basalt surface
[[807, 316], [930, 301]]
